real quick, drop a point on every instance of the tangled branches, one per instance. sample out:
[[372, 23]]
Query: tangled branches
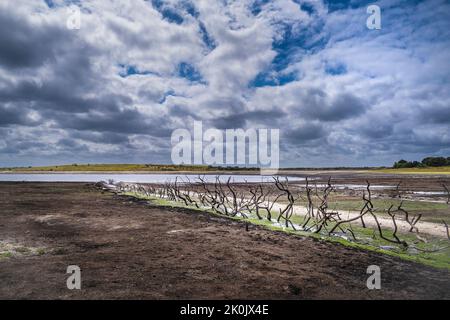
[[366, 209], [287, 212], [447, 191], [304, 208]]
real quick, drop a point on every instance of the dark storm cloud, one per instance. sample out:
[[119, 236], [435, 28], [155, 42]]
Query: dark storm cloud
[[24, 45], [19, 146], [13, 115], [69, 86], [129, 121], [62, 76], [183, 111], [377, 131], [375, 127], [49, 95], [316, 105], [306, 132], [242, 119], [66, 143], [100, 137], [439, 114], [228, 113]]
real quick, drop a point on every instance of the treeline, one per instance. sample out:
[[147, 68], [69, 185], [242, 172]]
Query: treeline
[[426, 162]]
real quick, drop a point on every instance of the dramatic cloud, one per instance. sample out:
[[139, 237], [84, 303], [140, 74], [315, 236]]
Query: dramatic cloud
[[114, 90]]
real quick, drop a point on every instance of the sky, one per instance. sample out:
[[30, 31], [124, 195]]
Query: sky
[[114, 90]]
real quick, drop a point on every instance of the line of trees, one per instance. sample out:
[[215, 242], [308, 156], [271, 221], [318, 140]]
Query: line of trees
[[426, 162]]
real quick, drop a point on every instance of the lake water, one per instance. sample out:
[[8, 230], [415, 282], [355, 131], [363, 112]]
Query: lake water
[[138, 178]]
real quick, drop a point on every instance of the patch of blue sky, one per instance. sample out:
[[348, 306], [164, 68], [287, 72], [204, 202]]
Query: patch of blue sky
[[129, 70], [335, 69], [54, 4], [189, 72], [294, 40], [306, 6], [166, 95], [335, 5], [49, 3], [278, 79], [257, 5], [190, 8], [175, 13], [292, 45], [168, 13], [208, 40]]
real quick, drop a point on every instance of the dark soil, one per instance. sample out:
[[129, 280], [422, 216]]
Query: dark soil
[[132, 250]]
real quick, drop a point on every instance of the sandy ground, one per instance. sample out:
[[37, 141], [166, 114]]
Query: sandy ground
[[430, 228], [408, 182], [133, 250]]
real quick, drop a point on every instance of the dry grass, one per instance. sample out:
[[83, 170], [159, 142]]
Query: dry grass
[[428, 170]]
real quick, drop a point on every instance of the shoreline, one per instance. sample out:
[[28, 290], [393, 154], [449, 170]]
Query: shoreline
[[134, 172], [144, 247]]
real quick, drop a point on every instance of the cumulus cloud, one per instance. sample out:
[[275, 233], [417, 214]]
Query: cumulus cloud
[[114, 90]]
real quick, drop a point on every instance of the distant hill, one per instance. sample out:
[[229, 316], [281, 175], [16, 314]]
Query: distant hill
[[123, 168]]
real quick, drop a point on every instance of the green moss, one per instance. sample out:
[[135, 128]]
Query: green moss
[[5, 255]]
